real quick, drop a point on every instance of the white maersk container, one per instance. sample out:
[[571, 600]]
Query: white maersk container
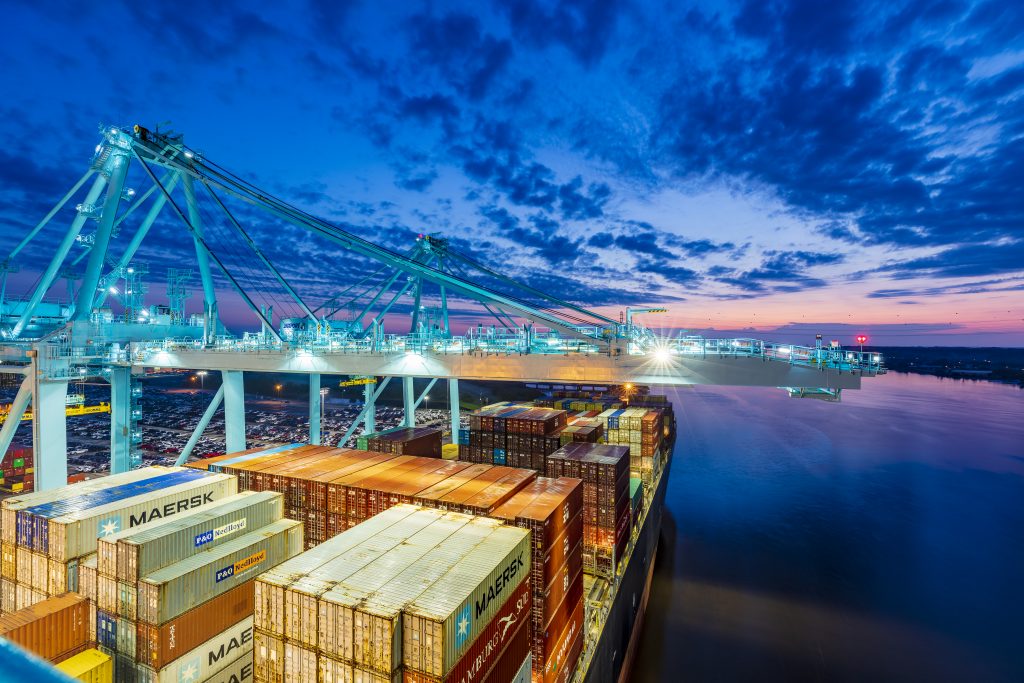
[[76, 534], [367, 567], [175, 589], [134, 553], [446, 619], [377, 619], [241, 671]]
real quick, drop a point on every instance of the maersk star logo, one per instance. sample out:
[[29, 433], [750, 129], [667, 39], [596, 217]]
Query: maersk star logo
[[462, 625], [189, 672], [110, 526]]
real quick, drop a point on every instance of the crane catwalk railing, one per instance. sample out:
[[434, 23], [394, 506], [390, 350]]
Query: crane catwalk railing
[[499, 343]]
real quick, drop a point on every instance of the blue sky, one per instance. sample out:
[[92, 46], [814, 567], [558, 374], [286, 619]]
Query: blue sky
[[778, 167]]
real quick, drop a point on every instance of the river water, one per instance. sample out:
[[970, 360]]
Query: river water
[[877, 539]]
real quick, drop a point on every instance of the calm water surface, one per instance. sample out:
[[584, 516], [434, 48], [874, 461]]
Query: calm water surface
[[879, 539]]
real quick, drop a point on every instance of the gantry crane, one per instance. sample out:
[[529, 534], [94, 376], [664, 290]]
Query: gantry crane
[[233, 230]]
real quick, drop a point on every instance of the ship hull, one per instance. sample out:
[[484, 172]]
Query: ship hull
[[620, 637]]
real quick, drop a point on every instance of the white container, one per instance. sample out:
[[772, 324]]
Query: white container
[[174, 590], [76, 534], [271, 585], [10, 506], [144, 550], [459, 606], [417, 533]]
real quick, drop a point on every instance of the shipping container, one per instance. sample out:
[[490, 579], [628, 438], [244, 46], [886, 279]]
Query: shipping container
[[553, 644], [238, 671], [90, 666], [157, 646], [33, 521], [362, 614], [143, 550], [10, 507], [486, 651], [8, 563], [269, 610], [268, 657], [8, 599], [62, 576], [458, 607], [200, 663], [173, 590], [52, 629], [367, 568], [239, 457], [75, 534], [87, 577]]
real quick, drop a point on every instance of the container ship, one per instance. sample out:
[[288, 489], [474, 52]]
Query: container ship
[[524, 554]]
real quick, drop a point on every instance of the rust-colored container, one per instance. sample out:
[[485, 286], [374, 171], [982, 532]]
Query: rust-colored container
[[53, 629], [157, 646], [432, 496], [552, 647], [336, 482], [546, 506]]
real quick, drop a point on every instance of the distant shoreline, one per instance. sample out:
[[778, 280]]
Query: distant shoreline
[[999, 365]]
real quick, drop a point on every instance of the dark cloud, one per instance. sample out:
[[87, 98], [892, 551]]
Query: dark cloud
[[780, 271], [469, 58], [970, 260], [544, 242], [429, 107], [584, 27], [817, 118]]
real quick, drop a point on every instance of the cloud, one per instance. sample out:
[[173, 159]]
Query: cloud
[[859, 116], [781, 271], [584, 27], [469, 58], [546, 243], [969, 260]]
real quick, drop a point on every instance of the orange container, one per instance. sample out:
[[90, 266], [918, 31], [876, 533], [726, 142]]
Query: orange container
[[53, 629]]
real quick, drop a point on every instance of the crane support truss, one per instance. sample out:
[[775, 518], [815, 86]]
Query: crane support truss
[[538, 336]]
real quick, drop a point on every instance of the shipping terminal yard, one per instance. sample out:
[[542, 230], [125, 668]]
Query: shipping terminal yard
[[357, 490]]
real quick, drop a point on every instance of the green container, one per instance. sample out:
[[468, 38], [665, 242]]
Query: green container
[[19, 462], [362, 443]]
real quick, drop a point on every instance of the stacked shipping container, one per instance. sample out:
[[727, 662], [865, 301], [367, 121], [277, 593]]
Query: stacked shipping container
[[642, 430], [47, 536], [175, 599], [515, 435], [17, 471], [424, 441], [604, 470], [332, 490], [552, 509], [413, 594]]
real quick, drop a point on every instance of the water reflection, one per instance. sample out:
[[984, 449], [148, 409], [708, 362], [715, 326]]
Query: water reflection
[[877, 539]]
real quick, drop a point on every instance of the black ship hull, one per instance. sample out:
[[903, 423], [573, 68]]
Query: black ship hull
[[620, 637]]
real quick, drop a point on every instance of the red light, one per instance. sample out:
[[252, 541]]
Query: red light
[[862, 339]]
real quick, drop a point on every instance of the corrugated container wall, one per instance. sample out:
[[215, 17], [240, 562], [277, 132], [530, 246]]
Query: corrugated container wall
[[175, 589]]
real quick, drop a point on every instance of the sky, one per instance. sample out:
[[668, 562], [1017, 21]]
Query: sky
[[771, 168]]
